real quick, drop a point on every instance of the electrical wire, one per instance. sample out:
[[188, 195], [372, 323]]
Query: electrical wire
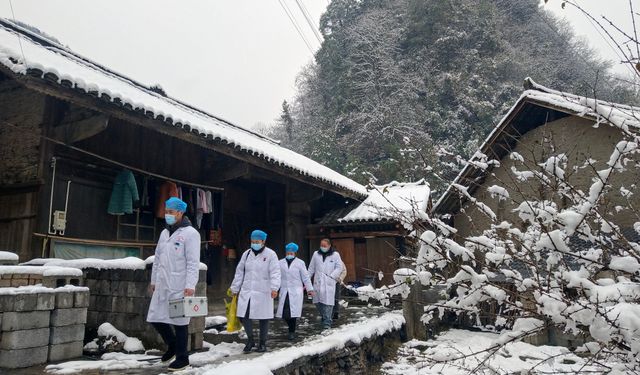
[[13, 14], [307, 17], [287, 11]]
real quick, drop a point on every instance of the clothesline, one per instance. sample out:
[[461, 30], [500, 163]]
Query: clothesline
[[151, 174]]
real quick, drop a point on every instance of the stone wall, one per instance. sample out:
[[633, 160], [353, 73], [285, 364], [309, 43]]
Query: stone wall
[[20, 145], [353, 359], [121, 297], [40, 325]]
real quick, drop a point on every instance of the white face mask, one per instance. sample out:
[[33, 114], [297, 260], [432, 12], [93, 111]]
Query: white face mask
[[170, 219], [324, 249]]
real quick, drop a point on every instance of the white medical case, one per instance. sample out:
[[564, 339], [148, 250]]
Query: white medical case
[[188, 307]]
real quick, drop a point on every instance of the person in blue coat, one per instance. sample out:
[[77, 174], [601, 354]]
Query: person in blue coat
[[174, 276]]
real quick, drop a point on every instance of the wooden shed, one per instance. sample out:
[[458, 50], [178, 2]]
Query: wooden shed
[[371, 236], [70, 127]]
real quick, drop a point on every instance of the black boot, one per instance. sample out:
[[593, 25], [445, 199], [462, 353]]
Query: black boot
[[262, 347], [249, 346], [291, 336], [179, 364], [168, 355]]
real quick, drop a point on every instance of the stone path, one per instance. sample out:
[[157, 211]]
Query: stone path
[[308, 326]]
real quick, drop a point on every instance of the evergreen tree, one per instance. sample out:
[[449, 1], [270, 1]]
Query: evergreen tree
[[399, 86]]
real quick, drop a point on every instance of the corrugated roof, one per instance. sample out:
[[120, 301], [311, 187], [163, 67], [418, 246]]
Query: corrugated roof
[[24, 52]]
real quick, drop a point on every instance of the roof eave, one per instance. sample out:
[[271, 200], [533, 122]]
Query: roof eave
[[49, 86]]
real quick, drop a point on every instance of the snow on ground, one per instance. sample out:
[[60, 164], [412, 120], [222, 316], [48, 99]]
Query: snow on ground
[[108, 362], [215, 353], [131, 344], [464, 351], [334, 339], [125, 362], [212, 321], [5, 255]]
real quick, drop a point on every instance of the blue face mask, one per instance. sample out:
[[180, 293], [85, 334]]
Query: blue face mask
[[290, 257], [324, 249], [256, 246], [170, 219]]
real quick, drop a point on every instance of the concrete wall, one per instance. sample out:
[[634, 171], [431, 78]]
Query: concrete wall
[[352, 359], [44, 326], [573, 136], [120, 297]]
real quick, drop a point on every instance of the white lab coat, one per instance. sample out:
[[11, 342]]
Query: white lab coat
[[294, 278], [325, 273], [257, 275], [175, 268]]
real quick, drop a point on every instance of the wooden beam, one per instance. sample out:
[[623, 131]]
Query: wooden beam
[[234, 172], [299, 193], [73, 132], [357, 234]]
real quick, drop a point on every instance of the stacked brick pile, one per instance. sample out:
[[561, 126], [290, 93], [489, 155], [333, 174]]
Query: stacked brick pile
[[39, 324]]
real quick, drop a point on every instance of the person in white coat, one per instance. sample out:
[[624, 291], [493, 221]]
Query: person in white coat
[[325, 268], [174, 276], [295, 278], [256, 283]]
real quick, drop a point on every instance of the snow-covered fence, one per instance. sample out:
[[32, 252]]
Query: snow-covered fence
[[40, 324]]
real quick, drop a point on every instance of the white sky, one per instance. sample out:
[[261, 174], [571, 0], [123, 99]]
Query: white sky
[[237, 59], [615, 10]]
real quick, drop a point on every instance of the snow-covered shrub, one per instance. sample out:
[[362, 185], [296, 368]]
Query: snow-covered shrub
[[563, 257]]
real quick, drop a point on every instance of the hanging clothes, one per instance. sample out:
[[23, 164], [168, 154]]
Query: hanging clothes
[[124, 194], [166, 191], [209, 205], [201, 206], [144, 200]]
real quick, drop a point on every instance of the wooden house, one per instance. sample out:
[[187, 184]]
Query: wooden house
[[69, 127], [371, 236]]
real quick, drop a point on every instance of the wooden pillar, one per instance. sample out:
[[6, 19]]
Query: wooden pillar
[[413, 309]]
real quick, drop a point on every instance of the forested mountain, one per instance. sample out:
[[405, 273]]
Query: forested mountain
[[400, 88]]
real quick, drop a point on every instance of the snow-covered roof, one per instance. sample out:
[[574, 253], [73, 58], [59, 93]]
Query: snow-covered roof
[[396, 201], [622, 116], [24, 52]]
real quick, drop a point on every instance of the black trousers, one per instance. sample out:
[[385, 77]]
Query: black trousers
[[176, 341], [248, 326], [286, 315]]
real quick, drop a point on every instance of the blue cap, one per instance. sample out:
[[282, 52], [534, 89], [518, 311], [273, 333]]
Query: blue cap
[[291, 247], [258, 235], [177, 204]]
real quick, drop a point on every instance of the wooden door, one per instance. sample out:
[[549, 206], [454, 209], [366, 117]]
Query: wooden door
[[347, 253], [382, 256], [361, 259]]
